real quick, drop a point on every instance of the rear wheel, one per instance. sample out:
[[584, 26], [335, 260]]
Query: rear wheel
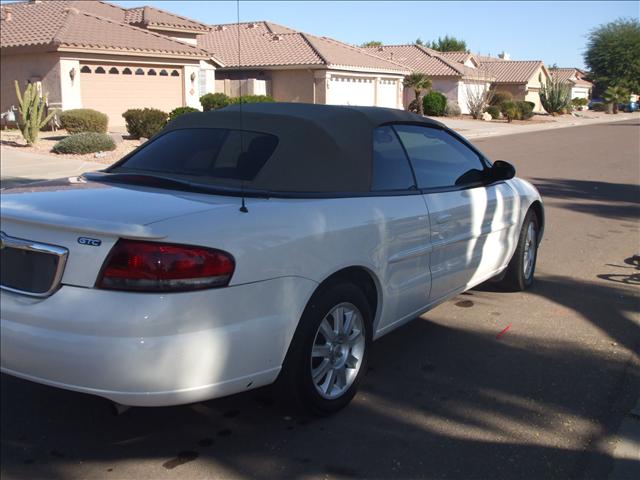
[[521, 269], [328, 354]]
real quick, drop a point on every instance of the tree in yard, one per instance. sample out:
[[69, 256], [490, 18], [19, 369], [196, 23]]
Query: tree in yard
[[479, 97], [372, 43], [419, 82], [448, 44], [419, 41], [614, 96], [613, 54], [32, 112]]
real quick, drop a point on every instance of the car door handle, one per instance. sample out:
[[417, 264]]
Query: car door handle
[[444, 218]]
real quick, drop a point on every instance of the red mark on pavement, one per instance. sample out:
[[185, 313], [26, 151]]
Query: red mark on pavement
[[506, 329]]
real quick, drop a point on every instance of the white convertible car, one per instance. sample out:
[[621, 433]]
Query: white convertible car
[[254, 244]]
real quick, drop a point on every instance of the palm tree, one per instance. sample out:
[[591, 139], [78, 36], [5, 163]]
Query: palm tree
[[419, 82], [615, 95]]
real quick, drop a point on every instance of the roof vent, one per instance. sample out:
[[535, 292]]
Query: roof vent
[[276, 37], [35, 1], [72, 11], [252, 25], [380, 48], [504, 56], [221, 28]]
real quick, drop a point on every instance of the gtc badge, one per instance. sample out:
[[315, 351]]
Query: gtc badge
[[92, 242]]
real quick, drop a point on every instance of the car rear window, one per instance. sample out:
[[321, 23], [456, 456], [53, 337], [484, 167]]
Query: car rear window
[[204, 152]]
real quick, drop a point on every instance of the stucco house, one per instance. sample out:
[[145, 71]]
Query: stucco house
[[575, 78], [293, 66], [455, 74], [523, 78], [99, 55]]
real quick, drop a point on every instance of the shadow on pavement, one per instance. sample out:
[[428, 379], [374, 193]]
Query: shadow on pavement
[[605, 199]]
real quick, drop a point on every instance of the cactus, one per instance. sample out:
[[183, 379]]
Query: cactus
[[555, 96], [32, 112]]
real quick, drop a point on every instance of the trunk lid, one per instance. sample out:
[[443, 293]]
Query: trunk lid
[[88, 217]]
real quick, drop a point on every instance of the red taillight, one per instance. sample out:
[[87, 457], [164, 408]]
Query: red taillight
[[161, 267]]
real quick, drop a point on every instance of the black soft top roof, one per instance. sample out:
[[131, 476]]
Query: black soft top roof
[[321, 148]]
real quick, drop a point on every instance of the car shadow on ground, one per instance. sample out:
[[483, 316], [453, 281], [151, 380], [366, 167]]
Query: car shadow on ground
[[437, 401], [604, 199]]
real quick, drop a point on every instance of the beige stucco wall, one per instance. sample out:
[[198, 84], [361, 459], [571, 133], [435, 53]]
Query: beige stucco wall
[[292, 85], [71, 89], [37, 66]]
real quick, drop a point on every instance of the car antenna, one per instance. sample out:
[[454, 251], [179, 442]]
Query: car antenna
[[243, 207]]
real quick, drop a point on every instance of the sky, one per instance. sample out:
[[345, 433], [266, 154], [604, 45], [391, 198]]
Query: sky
[[555, 32]]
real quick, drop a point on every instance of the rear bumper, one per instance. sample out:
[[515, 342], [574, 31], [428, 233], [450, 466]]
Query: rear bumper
[[153, 349]]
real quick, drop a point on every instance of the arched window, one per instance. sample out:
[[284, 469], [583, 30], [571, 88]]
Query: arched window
[[126, 71], [114, 71], [175, 73], [100, 70], [152, 72], [85, 69], [164, 73], [139, 71]]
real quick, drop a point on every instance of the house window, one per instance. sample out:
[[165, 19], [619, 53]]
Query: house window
[[175, 73], [85, 69], [113, 71], [152, 72], [139, 71], [126, 71], [100, 70], [164, 73]]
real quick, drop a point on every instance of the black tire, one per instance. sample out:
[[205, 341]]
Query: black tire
[[515, 278], [295, 382]]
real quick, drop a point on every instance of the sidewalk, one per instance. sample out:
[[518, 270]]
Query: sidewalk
[[478, 128], [22, 167]]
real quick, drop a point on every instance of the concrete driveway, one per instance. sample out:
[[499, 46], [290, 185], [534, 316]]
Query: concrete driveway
[[23, 167], [445, 397]]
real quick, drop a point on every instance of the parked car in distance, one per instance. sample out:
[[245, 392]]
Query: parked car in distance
[[254, 244], [628, 107]]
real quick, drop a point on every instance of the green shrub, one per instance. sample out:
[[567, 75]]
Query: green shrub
[[579, 102], [82, 120], [494, 111], [251, 99], [144, 122], [176, 112], [509, 110], [87, 142], [452, 110], [525, 110], [434, 104], [499, 97], [213, 101]]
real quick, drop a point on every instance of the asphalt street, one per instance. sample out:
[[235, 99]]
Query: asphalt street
[[445, 396]]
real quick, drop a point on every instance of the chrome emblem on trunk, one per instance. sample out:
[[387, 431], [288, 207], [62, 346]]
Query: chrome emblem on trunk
[[92, 242]]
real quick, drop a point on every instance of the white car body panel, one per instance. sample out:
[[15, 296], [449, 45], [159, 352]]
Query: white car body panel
[[196, 345]]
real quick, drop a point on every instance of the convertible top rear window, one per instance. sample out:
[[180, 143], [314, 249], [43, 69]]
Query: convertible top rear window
[[204, 153]]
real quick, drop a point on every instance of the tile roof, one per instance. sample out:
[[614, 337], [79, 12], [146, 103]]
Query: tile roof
[[155, 17], [425, 60], [60, 24], [266, 44], [459, 57], [512, 71], [570, 75]]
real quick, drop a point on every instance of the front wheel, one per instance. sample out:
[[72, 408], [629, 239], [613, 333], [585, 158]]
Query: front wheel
[[521, 269], [328, 354]]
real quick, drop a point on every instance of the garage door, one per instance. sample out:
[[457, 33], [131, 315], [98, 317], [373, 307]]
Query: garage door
[[347, 90], [113, 89]]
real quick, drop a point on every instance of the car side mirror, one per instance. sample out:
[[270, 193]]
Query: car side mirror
[[501, 170]]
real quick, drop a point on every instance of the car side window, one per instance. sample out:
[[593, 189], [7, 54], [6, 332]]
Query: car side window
[[391, 169], [440, 160]]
